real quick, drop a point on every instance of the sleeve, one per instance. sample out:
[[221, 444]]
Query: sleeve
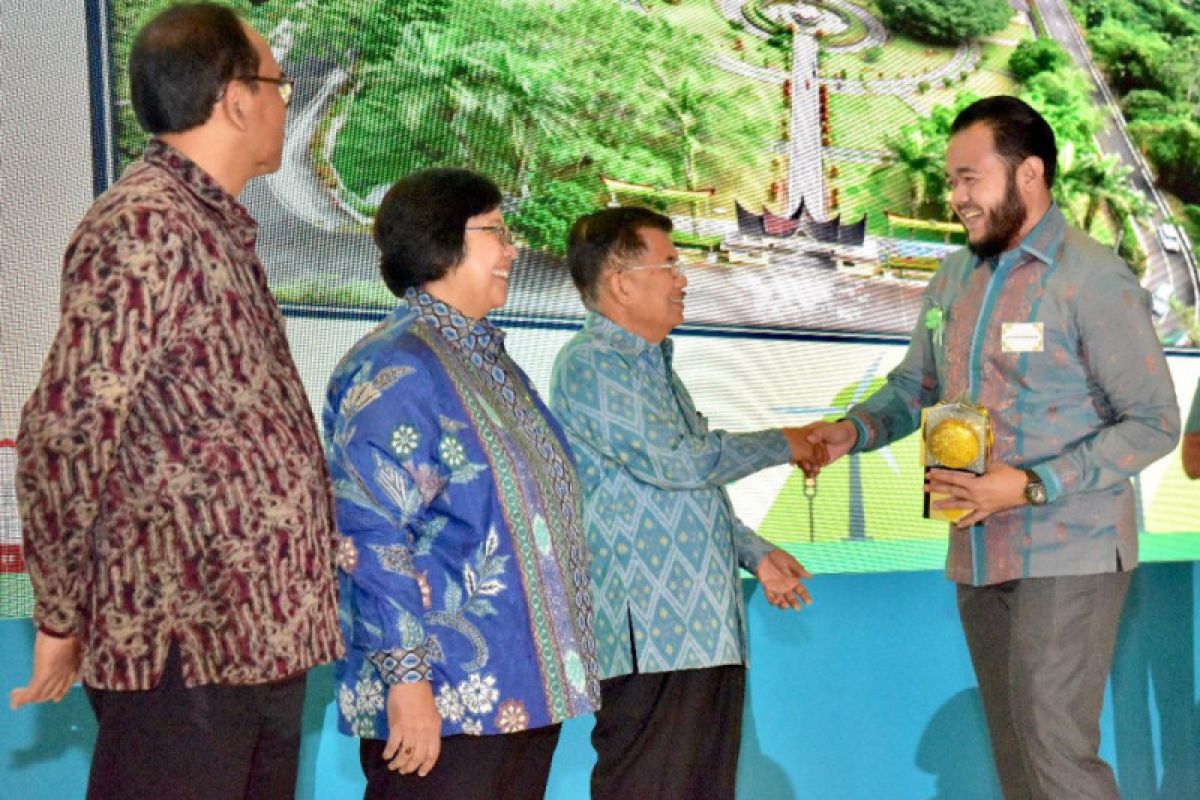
[[894, 411], [381, 432], [115, 302], [1128, 369], [751, 548], [602, 405]]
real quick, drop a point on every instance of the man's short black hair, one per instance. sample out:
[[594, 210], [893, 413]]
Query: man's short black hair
[[421, 223], [1018, 130], [180, 62], [598, 239]]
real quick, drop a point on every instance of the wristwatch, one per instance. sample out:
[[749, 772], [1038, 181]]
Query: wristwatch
[[1035, 490]]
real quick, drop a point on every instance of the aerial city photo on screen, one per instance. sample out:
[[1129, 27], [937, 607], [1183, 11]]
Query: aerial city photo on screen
[[799, 149]]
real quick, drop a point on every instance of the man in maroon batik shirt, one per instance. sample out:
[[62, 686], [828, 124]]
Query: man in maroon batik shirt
[[175, 505]]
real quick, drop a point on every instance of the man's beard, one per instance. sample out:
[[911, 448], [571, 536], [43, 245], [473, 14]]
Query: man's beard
[[1003, 222]]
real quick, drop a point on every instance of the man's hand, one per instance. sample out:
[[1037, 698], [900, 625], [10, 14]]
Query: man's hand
[[836, 437], [55, 670], [780, 574], [1191, 454], [807, 454], [1000, 488], [414, 728]]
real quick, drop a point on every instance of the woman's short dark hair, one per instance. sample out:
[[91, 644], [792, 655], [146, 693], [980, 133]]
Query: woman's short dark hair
[[181, 60], [421, 223], [598, 239], [1018, 131]]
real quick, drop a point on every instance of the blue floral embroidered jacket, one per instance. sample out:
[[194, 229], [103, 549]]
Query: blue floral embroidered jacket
[[462, 558]]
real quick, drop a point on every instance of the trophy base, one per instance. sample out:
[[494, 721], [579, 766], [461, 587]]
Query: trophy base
[[943, 514]]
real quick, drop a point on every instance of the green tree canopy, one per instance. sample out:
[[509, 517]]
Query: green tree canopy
[[1174, 146], [945, 21], [1036, 55], [1064, 98], [546, 215], [1149, 105], [1133, 58], [548, 89], [1169, 17]]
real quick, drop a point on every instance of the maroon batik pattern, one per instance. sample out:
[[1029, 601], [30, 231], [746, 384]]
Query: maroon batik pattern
[[170, 477]]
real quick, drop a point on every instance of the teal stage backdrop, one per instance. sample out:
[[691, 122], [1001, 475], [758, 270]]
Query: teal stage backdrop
[[867, 695]]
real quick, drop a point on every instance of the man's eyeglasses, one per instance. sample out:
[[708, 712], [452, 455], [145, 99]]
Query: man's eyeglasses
[[677, 267], [502, 232], [283, 83]]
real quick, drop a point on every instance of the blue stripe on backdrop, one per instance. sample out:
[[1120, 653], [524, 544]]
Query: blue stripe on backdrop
[[868, 694]]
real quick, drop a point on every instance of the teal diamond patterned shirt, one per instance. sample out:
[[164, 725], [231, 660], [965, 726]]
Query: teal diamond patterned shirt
[[665, 542]]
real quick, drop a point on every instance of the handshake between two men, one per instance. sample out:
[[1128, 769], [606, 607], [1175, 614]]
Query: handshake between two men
[[977, 497]]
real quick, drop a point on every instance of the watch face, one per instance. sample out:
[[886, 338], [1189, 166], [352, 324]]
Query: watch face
[[1035, 493]]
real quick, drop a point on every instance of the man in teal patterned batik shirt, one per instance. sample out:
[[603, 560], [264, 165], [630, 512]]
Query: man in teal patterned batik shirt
[[1051, 333], [666, 545]]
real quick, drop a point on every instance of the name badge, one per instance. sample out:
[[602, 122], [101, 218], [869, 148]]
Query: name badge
[[1022, 337]]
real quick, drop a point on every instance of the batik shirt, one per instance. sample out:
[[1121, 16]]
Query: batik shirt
[[462, 558], [665, 542], [170, 480], [1055, 339]]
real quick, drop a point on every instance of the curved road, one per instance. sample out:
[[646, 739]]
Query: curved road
[[1177, 270]]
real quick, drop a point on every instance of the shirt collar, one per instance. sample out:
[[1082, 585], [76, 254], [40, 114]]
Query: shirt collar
[[1042, 242], [605, 330], [460, 331], [160, 154]]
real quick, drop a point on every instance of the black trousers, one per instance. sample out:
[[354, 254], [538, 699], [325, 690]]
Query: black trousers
[[509, 766], [669, 735], [206, 743]]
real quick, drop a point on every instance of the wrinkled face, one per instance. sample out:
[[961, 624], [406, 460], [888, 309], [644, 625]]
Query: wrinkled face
[[480, 281], [983, 192], [269, 112], [658, 292]]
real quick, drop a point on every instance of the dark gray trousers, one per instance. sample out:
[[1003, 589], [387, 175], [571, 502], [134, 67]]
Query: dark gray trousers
[[1042, 649]]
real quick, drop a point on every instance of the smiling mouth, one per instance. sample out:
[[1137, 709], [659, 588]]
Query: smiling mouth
[[501, 273], [679, 300]]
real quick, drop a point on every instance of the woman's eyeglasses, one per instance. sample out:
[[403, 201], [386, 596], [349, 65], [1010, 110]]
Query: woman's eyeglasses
[[502, 232]]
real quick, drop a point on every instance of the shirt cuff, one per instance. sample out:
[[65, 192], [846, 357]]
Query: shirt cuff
[[402, 665], [864, 435], [780, 452], [55, 624], [1049, 480], [752, 549]]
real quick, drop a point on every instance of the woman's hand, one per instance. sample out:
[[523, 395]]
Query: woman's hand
[[414, 728]]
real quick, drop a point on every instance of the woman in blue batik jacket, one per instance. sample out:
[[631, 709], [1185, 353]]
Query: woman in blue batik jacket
[[465, 602]]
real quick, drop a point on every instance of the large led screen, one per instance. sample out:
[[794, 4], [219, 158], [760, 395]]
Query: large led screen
[[798, 147]]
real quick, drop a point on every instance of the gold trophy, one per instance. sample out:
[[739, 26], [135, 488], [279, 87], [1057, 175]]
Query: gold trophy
[[954, 435]]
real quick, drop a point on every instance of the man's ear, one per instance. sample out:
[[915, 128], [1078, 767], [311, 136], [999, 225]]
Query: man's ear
[[615, 287], [234, 104], [1031, 172]]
